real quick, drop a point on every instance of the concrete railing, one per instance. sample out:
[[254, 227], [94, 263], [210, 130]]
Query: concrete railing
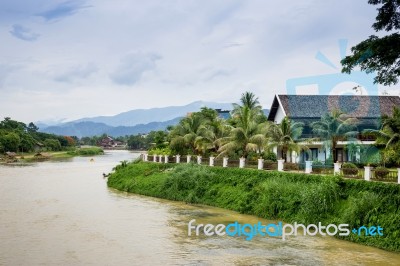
[[367, 174]]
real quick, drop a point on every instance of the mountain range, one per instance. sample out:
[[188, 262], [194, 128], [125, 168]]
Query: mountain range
[[138, 121]]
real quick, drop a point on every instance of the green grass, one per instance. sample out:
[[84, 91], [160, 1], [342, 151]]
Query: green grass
[[273, 195], [88, 151]]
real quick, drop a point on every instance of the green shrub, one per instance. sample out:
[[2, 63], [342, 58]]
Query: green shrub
[[160, 151], [88, 151], [381, 172], [349, 169], [270, 156], [291, 166], [268, 164]]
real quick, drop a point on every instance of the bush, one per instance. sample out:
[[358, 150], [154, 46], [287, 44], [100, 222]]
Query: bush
[[381, 172], [270, 156], [291, 166], [317, 167], [271, 165], [160, 151], [90, 151], [349, 169]]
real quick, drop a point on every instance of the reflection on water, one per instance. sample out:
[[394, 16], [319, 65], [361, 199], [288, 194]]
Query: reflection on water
[[63, 213]]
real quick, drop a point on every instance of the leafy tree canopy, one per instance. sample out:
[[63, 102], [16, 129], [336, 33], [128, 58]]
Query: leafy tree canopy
[[379, 54]]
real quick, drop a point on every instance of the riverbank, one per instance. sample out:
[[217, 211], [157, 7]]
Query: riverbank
[[52, 155], [291, 197]]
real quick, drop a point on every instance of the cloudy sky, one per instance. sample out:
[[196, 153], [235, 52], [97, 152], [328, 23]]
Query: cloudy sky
[[73, 59]]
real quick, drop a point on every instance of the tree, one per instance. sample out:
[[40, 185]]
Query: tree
[[285, 135], [70, 140], [247, 132], [380, 54], [27, 142], [10, 124], [158, 139], [388, 136], [333, 127], [10, 141], [188, 133], [136, 142], [52, 144], [32, 128]]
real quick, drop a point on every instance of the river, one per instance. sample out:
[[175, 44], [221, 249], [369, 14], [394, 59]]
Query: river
[[62, 213]]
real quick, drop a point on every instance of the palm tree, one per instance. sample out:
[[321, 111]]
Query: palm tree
[[333, 127], [389, 133], [187, 133], [285, 135], [246, 134]]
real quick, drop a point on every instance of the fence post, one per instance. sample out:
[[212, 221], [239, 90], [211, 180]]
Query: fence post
[[166, 159], [260, 164], [211, 161], [188, 158], [198, 159], [336, 168], [308, 167], [280, 165], [160, 158], [398, 175], [241, 162], [146, 157], [225, 162], [367, 173], [178, 158], [155, 158]]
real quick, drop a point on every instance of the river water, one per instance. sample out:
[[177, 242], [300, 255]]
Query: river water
[[62, 213]]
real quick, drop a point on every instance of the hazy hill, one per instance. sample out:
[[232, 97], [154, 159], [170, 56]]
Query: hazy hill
[[131, 122], [144, 116], [85, 129]]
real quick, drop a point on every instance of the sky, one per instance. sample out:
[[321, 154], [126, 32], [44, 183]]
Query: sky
[[73, 59]]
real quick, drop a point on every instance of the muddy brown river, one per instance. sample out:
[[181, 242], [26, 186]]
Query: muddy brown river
[[62, 213]]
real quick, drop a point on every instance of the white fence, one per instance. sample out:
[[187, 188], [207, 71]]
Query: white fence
[[368, 173]]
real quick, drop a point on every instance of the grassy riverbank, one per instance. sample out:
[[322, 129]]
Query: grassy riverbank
[[290, 197], [56, 155]]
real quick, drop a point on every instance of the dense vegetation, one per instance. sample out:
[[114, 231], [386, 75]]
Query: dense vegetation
[[87, 151], [380, 54], [16, 136], [248, 134], [290, 197]]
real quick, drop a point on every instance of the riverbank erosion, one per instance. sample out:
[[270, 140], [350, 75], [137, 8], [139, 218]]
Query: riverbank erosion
[[290, 197]]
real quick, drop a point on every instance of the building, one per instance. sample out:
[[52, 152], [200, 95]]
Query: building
[[224, 114], [310, 108], [109, 143]]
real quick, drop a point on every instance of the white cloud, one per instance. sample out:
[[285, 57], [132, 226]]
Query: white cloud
[[73, 73], [183, 51], [132, 66]]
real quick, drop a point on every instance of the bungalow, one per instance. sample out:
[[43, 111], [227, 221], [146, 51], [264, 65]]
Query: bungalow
[[310, 108], [109, 143]]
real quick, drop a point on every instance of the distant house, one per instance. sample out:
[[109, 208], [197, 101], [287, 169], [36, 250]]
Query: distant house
[[224, 114], [11, 154], [310, 108], [109, 143]]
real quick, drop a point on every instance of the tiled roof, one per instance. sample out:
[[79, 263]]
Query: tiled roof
[[315, 106]]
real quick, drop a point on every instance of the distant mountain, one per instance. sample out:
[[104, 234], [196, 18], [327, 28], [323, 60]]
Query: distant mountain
[[131, 122], [87, 129], [144, 116]]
